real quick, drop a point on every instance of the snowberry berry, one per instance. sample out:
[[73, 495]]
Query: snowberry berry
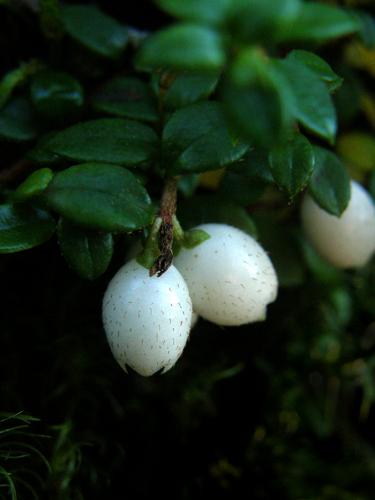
[[147, 320], [230, 277], [347, 241]]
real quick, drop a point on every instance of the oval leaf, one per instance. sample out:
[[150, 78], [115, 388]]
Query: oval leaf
[[197, 139], [23, 227], [111, 140], [313, 106], [292, 164], [87, 252], [34, 185], [202, 11], [188, 88], [128, 97], [100, 196], [17, 122], [330, 182], [95, 30], [183, 46]]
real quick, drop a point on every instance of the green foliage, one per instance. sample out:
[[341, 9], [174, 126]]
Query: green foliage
[[120, 202], [87, 252], [236, 99], [330, 183], [23, 227], [111, 140]]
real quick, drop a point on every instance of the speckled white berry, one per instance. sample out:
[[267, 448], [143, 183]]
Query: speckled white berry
[[147, 320], [347, 241], [230, 277]]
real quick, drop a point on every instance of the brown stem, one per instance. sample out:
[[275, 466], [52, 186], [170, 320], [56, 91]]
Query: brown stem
[[167, 211]]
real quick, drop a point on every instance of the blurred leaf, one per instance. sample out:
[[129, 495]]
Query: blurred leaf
[[87, 252], [188, 88], [14, 78], [187, 47], [100, 196], [359, 56], [17, 122], [128, 97], [262, 20], [319, 66], [111, 140], [257, 99], [366, 27], [313, 106], [320, 23], [372, 185], [50, 18], [34, 185], [23, 227], [196, 139], [211, 179], [214, 208], [201, 11], [95, 30], [324, 272], [330, 182], [357, 149], [240, 188], [188, 183], [292, 164], [56, 95]]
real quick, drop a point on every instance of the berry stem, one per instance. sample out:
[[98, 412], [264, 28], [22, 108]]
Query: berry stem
[[167, 214]]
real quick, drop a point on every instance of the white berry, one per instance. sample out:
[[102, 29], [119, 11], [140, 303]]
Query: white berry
[[347, 241], [147, 320], [230, 277]]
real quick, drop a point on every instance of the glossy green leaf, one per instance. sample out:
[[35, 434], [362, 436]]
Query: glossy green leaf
[[319, 23], [257, 99], [203, 11], [128, 97], [100, 196], [189, 88], [34, 185], [214, 208], [319, 66], [197, 139], [17, 122], [262, 20], [14, 78], [23, 227], [183, 47], [56, 95], [87, 252], [95, 30], [111, 140], [313, 106], [330, 182], [292, 164]]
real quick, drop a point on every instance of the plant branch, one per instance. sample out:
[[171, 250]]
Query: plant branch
[[166, 213]]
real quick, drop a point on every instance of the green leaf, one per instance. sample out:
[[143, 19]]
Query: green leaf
[[319, 66], [87, 252], [34, 185], [372, 184], [111, 140], [17, 122], [241, 189], [210, 12], [95, 30], [183, 47], [213, 208], [194, 237], [257, 99], [366, 23], [189, 88], [23, 227], [330, 182], [292, 164], [56, 95], [197, 139], [321, 23], [313, 106], [128, 97], [14, 78], [262, 20], [100, 196]]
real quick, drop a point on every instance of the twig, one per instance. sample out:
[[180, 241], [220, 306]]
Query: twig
[[167, 212]]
